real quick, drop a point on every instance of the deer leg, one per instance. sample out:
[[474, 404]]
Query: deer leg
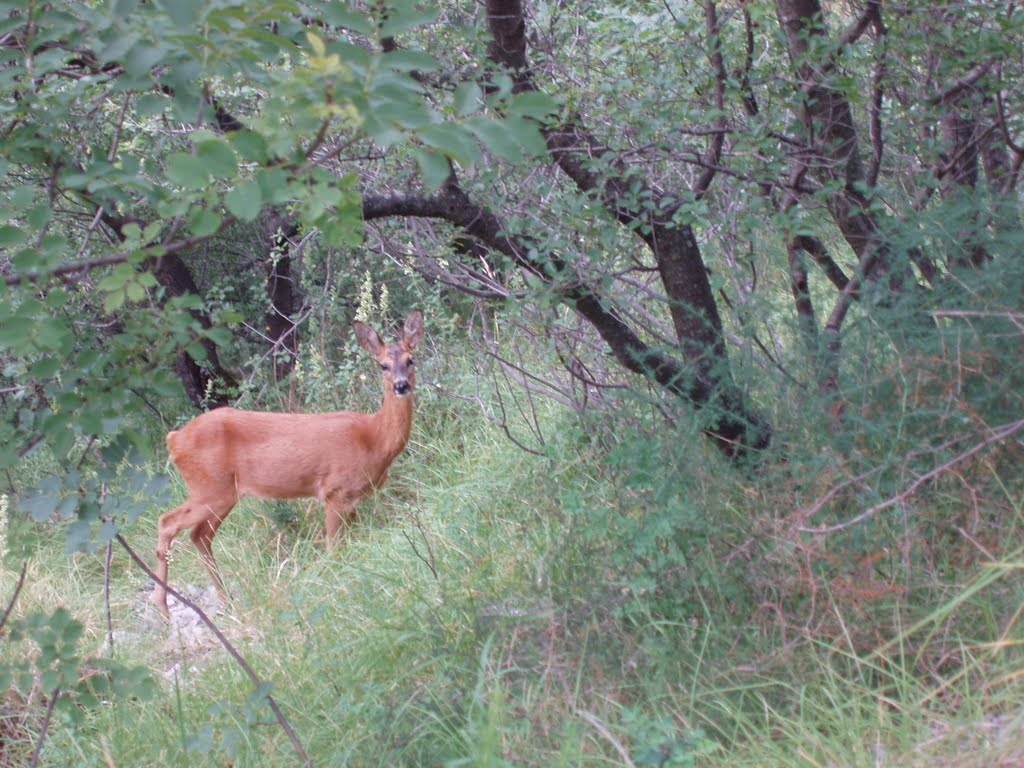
[[202, 536], [190, 514], [339, 512], [167, 528]]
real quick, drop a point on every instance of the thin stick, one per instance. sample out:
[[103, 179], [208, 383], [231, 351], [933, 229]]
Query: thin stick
[[106, 574], [106, 594], [427, 559], [44, 728], [14, 597], [1000, 433], [603, 730], [227, 646]]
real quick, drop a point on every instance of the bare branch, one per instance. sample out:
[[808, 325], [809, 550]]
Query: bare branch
[[44, 727], [999, 433], [713, 154], [859, 27], [954, 89], [232, 651], [14, 597], [75, 268]]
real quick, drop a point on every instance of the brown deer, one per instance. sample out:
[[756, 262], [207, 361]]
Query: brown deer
[[337, 458]]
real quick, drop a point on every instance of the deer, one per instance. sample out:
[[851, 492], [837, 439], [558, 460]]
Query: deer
[[226, 454]]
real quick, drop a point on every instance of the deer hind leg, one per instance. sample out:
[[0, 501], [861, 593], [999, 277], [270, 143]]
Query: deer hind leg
[[202, 536], [339, 512], [187, 515]]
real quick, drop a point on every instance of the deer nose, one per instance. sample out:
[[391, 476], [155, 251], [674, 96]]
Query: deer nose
[[402, 387]]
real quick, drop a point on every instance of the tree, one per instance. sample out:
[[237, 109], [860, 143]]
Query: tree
[[649, 168]]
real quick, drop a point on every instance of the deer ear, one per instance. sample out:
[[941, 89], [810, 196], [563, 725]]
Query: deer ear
[[367, 337], [413, 330]]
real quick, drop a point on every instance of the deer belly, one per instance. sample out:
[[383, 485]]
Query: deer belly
[[285, 482]]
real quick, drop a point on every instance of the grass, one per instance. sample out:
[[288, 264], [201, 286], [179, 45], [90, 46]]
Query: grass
[[499, 609]]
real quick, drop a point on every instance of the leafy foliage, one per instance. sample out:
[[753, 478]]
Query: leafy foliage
[[791, 226]]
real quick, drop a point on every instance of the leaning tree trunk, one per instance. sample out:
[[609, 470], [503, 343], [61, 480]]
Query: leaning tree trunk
[[708, 381], [206, 383]]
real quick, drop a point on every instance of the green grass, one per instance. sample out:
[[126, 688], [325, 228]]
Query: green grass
[[557, 630]]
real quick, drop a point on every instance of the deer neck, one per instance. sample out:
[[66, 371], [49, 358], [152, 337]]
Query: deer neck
[[394, 421]]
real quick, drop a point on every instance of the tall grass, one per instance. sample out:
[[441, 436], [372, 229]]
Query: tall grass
[[623, 599]]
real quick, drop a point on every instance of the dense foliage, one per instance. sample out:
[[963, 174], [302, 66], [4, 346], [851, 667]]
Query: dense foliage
[[792, 227]]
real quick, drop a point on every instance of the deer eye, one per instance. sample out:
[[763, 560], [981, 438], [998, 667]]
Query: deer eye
[[385, 367], [410, 361]]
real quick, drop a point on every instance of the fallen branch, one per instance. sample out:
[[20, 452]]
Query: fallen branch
[[604, 731], [256, 681]]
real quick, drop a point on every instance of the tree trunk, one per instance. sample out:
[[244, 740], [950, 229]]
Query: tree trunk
[[684, 276], [282, 332], [206, 383]]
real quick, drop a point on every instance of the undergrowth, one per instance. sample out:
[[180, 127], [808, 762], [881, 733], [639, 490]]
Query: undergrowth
[[623, 598]]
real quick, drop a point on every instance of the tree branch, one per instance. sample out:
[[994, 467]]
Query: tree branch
[[958, 86], [713, 154], [232, 651], [999, 433], [733, 428]]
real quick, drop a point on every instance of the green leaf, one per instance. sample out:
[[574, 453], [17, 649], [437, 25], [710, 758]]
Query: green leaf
[[496, 137], [203, 222], [141, 59], [151, 104], [11, 235], [135, 291], [106, 532], [59, 434], [27, 260], [250, 145], [409, 61], [52, 333], [526, 133], [338, 15], [274, 185], [196, 351], [45, 368], [434, 168], [383, 132], [38, 216], [219, 336], [315, 43], [468, 98], [118, 276], [40, 507], [78, 538], [184, 13], [405, 17], [453, 140], [113, 301], [533, 104], [187, 170], [14, 332], [217, 156], [245, 200]]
